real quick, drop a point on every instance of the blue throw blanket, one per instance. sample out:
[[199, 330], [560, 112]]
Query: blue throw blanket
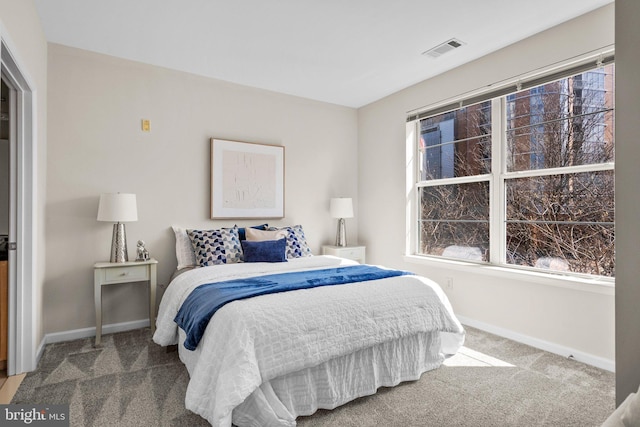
[[200, 306]]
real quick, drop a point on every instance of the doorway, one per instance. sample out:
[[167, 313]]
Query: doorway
[[5, 175], [23, 318]]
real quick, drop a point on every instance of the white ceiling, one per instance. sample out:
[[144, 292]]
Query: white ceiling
[[347, 52]]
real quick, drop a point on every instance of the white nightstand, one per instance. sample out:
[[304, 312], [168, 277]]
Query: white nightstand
[[111, 273], [356, 253]]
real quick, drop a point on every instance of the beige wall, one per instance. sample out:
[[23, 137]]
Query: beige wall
[[22, 30], [627, 198], [561, 316], [96, 103]]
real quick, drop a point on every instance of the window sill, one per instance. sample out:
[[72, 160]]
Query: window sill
[[604, 286]]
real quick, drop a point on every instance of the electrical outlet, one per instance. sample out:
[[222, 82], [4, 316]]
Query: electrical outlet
[[146, 125], [449, 283]]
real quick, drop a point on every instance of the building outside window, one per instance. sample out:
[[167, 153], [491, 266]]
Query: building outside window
[[525, 179]]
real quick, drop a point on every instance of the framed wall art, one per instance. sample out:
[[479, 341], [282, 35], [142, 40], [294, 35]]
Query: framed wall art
[[247, 180]]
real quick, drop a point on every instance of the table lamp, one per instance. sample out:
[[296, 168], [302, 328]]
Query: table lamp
[[118, 208], [341, 208]]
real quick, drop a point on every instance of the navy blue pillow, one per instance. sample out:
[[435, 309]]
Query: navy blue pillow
[[243, 235], [264, 251]]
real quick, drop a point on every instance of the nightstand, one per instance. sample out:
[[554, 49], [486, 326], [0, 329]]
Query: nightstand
[[356, 253], [111, 273]]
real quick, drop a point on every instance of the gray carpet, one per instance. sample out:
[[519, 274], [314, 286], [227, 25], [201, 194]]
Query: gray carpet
[[131, 381]]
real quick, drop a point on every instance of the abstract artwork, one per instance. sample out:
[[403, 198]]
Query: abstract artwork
[[247, 180]]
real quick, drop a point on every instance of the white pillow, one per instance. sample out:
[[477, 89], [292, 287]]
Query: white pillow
[[184, 250], [262, 235]]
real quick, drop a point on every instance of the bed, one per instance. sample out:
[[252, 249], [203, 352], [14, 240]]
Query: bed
[[266, 360]]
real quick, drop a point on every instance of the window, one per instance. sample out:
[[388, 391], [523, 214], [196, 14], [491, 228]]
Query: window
[[525, 179]]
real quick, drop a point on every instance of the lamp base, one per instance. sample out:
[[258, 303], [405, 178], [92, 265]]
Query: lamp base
[[119, 244], [341, 235]]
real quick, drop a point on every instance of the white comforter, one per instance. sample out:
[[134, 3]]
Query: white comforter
[[253, 341]]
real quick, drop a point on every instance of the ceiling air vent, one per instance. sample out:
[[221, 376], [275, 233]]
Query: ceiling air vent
[[443, 48]]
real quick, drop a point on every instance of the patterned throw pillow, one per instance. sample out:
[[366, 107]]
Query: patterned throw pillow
[[213, 247], [297, 246]]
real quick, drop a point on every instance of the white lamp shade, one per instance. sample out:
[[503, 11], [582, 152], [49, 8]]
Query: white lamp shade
[[117, 207], [341, 207]]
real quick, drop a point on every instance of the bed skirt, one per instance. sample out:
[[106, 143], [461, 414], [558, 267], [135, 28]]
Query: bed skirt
[[331, 384]]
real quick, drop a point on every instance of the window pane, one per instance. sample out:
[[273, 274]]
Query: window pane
[[457, 143], [562, 222], [455, 220], [564, 123]]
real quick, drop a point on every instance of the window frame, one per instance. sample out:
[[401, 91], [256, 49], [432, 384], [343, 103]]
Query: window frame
[[498, 178]]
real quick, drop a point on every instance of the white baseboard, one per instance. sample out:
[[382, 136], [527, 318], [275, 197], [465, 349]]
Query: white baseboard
[[91, 332], [598, 362], [87, 332], [589, 359]]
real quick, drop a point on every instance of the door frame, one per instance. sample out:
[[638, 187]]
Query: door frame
[[24, 317]]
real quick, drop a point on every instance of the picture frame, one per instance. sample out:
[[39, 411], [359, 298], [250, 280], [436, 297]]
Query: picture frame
[[247, 180]]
